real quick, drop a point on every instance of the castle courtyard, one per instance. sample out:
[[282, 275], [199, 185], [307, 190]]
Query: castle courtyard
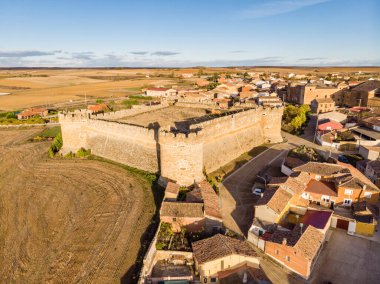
[[174, 116]]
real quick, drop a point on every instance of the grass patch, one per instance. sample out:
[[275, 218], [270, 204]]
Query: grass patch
[[50, 132], [140, 97], [130, 103]]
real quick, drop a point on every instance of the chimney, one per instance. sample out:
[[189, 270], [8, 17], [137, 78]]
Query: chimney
[[284, 241]]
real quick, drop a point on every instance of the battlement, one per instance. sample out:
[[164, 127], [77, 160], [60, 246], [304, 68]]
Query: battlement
[[180, 154], [74, 116], [173, 137]]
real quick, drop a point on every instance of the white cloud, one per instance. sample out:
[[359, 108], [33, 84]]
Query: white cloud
[[266, 8]]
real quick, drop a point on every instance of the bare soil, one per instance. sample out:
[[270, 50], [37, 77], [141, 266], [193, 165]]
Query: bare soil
[[64, 220], [179, 117]]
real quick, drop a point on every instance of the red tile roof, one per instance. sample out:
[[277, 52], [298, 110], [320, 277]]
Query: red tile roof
[[220, 246], [321, 187], [317, 219], [210, 200], [331, 125]]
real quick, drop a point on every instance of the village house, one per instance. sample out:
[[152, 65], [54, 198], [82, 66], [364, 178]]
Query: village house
[[337, 185], [183, 215], [297, 249], [213, 217], [372, 123], [366, 94], [98, 108], [199, 212], [32, 112], [306, 93], [223, 103], [273, 101], [160, 92], [217, 257], [369, 152], [372, 171], [321, 105], [333, 116], [329, 125]]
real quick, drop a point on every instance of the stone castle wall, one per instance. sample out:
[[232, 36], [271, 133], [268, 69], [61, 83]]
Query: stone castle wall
[[179, 157]]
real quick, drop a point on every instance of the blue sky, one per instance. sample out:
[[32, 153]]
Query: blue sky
[[178, 33]]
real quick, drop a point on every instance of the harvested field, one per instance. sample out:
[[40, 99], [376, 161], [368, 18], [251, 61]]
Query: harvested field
[[67, 221], [179, 117], [35, 87]]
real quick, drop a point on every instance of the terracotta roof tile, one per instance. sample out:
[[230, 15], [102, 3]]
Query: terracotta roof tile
[[323, 169], [181, 209], [321, 187], [210, 200], [220, 246], [172, 187]]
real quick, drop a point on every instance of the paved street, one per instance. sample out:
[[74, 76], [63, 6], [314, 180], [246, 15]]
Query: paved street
[[236, 198], [348, 259]]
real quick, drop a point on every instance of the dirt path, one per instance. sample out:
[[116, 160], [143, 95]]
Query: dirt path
[[66, 221]]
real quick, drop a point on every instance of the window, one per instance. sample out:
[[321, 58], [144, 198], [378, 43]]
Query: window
[[367, 194], [276, 251], [288, 258], [213, 280], [325, 198], [347, 202], [174, 219], [348, 191]]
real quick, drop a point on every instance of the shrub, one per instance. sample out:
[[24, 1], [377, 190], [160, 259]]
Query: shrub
[[99, 101], [69, 155], [82, 153], [56, 146], [129, 103]]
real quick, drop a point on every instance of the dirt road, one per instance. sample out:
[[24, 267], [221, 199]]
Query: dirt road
[[67, 221]]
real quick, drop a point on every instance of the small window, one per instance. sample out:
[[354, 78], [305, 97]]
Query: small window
[[347, 202], [213, 280], [276, 251], [348, 191], [367, 194], [287, 258], [174, 219]]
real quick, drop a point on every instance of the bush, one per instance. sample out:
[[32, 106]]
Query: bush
[[56, 146], [82, 153], [129, 103], [69, 155], [99, 101]]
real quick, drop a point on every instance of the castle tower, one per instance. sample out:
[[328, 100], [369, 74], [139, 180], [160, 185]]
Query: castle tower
[[181, 157]]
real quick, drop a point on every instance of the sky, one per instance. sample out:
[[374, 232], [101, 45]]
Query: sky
[[185, 33]]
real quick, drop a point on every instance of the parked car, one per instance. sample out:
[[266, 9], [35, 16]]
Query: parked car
[[257, 191], [343, 159]]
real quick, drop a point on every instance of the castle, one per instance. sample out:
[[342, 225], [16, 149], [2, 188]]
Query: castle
[[178, 155]]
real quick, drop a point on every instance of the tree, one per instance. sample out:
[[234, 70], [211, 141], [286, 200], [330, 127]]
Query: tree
[[297, 122]]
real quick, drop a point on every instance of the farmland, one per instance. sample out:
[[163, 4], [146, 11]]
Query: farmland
[[41, 87], [68, 220]]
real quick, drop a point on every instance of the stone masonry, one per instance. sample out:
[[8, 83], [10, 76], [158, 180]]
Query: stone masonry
[[180, 157]]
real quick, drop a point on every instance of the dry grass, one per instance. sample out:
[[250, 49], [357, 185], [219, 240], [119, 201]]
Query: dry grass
[[67, 220]]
